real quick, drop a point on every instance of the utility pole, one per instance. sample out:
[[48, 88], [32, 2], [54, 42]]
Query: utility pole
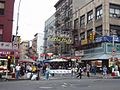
[[113, 45], [16, 39]]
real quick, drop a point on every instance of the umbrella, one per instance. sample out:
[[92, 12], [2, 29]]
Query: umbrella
[[26, 60], [57, 60]]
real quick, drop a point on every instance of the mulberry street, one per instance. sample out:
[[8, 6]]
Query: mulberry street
[[66, 84]]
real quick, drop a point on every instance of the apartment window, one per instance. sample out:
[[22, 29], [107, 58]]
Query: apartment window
[[70, 13], [82, 36], [90, 16], [70, 2], [2, 7], [1, 32], [76, 25], [76, 39], [99, 12], [114, 11], [82, 20], [98, 31], [115, 29]]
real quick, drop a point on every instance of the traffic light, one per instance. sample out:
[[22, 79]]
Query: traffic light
[[9, 62], [92, 36]]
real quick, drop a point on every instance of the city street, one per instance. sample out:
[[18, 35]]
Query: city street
[[63, 84]]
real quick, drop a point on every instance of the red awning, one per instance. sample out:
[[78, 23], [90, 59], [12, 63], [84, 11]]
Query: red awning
[[42, 54], [26, 61]]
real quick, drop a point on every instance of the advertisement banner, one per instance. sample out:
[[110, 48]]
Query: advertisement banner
[[107, 39]]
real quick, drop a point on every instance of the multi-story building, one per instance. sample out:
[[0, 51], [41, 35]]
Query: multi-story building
[[97, 29], [23, 49], [37, 44], [92, 25], [49, 43], [6, 20], [40, 41], [6, 23], [63, 26]]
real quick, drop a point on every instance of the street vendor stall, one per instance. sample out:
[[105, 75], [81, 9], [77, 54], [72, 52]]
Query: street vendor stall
[[3, 68]]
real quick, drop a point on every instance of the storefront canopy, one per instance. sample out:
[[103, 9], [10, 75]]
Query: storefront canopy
[[26, 61], [97, 57], [56, 60]]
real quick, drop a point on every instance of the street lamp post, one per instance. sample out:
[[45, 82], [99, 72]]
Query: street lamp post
[[16, 39]]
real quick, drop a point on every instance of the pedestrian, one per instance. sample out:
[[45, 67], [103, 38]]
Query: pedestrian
[[88, 70], [47, 72], [80, 70], [17, 70], [73, 72], [105, 71], [93, 69], [34, 72]]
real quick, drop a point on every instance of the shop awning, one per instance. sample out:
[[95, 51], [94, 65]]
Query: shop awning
[[97, 57], [56, 60], [26, 61]]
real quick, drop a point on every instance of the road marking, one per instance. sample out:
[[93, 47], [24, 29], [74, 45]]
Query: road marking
[[46, 87]]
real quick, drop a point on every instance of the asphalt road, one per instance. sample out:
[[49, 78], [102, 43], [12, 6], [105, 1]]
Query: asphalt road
[[64, 84]]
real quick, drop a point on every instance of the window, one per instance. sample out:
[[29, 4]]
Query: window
[[115, 29], [99, 12], [1, 32], [2, 7], [70, 13], [76, 24], [98, 31], [118, 48], [69, 2], [114, 11], [82, 36], [82, 20], [76, 39], [89, 16]]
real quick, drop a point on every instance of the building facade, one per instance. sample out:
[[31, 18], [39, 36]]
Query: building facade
[[63, 25], [23, 49], [97, 29], [49, 36], [6, 20], [6, 23], [89, 29]]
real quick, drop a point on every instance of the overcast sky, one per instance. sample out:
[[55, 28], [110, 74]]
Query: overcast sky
[[32, 16]]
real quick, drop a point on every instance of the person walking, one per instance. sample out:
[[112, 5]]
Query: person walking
[[80, 70], [105, 71], [88, 70], [17, 70], [47, 72]]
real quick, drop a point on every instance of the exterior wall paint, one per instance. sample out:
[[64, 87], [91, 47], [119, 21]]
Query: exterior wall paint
[[7, 20]]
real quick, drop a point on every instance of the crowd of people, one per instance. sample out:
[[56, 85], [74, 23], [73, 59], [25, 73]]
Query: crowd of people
[[88, 70], [35, 70]]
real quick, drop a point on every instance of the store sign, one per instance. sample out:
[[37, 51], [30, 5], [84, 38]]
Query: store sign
[[107, 39], [5, 45], [61, 39], [79, 53], [84, 42]]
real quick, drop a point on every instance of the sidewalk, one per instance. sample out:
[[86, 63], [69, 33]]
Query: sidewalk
[[67, 76]]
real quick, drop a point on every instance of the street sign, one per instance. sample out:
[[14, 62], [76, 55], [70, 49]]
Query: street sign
[[113, 51]]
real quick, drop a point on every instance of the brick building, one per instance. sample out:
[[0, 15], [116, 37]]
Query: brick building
[[6, 23]]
